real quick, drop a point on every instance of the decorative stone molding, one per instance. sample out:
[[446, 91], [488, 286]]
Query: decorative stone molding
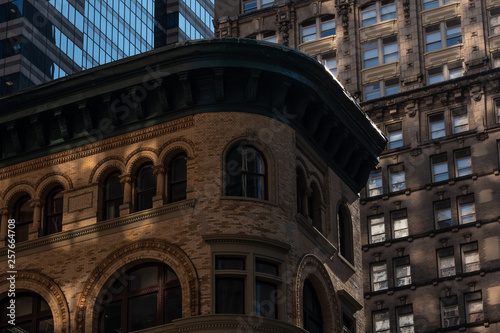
[[343, 10], [172, 147], [139, 156], [312, 268], [98, 147], [379, 30], [48, 289], [443, 56], [441, 13], [103, 166], [150, 249], [13, 192]]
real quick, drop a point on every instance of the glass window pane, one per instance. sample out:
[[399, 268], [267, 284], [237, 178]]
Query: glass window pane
[[112, 317], [229, 295], [266, 305], [143, 312], [144, 277]]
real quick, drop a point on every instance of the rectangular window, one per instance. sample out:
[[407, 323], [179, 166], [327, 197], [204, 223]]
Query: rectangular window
[[436, 75], [460, 120], [405, 319], [453, 32], [439, 168], [402, 271], [266, 288], [446, 262], [372, 91], [379, 276], [399, 224], [395, 134], [494, 21], [495, 59], [269, 36], [378, 12], [433, 38], [309, 31], [230, 284], [391, 87], [470, 257], [449, 311], [377, 229], [370, 54], [436, 126], [466, 209], [474, 307], [330, 62], [463, 163], [375, 184], [397, 177], [380, 52], [442, 214], [249, 6], [327, 26], [381, 322], [348, 323]]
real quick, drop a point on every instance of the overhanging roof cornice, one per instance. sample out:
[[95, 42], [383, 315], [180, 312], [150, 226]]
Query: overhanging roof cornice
[[194, 77]]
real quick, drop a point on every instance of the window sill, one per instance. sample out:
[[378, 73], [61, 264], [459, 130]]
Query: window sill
[[319, 46], [449, 137], [315, 236], [238, 198]]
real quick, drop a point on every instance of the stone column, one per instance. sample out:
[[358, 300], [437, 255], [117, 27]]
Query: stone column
[[125, 208], [35, 228], [3, 227], [159, 171], [305, 202]]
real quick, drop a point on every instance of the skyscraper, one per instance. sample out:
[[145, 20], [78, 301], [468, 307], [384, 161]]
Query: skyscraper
[[45, 40], [427, 72]]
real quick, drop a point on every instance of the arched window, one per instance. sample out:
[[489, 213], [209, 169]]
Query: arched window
[[315, 208], [177, 179], [144, 296], [145, 188], [246, 173], [32, 314], [345, 234], [313, 318], [301, 193], [54, 211], [23, 214], [113, 196]]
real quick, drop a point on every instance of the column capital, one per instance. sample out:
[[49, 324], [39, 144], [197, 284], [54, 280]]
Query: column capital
[[36, 202], [125, 178], [158, 169], [4, 211]]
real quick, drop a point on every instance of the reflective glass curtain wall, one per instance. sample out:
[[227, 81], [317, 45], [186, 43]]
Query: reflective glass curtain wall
[[55, 38]]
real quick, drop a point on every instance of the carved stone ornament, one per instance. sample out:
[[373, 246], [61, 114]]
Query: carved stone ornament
[[343, 10]]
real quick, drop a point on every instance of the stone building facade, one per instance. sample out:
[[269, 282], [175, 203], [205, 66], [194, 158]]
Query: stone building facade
[[426, 72], [188, 189]]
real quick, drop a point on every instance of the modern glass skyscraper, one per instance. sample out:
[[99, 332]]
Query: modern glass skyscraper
[[45, 40]]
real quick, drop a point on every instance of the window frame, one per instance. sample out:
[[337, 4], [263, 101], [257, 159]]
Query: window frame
[[175, 180], [243, 176], [470, 249], [496, 103], [439, 3], [437, 161], [446, 72], [463, 155], [400, 264], [458, 116], [345, 238], [441, 207], [385, 319], [443, 33], [395, 135], [471, 298], [36, 315], [448, 304], [322, 28], [259, 4], [329, 60], [446, 255], [399, 215], [436, 119], [405, 311], [397, 178], [125, 295], [23, 222], [140, 193], [379, 219], [378, 8], [51, 214], [379, 285], [110, 202], [384, 53], [381, 89], [462, 203]]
